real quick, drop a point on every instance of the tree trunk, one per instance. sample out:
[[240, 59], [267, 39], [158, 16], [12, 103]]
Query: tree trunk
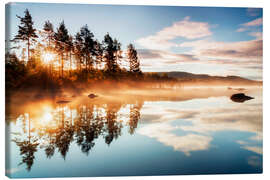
[[62, 65], [28, 45], [59, 67], [70, 64]]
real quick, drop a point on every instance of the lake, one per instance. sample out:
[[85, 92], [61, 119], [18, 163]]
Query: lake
[[134, 133]]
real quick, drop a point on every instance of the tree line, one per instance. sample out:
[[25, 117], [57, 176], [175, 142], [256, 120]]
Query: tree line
[[53, 58], [81, 50]]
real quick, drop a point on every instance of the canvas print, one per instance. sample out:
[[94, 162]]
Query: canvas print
[[125, 90]]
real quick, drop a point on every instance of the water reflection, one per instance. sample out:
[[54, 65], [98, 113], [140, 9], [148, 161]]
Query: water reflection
[[53, 127], [199, 120], [28, 144], [184, 122]]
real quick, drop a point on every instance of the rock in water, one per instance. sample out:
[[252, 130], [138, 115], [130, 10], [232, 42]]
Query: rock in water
[[92, 96], [240, 97]]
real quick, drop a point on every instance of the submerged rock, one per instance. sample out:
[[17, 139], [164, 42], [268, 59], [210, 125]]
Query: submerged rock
[[92, 96], [240, 97]]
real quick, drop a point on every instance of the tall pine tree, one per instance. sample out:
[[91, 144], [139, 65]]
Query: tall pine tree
[[78, 50], [26, 31], [98, 54], [61, 38], [48, 28], [112, 53], [88, 46]]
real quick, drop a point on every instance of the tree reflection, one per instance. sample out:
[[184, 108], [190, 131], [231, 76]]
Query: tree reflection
[[87, 127], [112, 126], [83, 125], [27, 146], [134, 116], [64, 133]]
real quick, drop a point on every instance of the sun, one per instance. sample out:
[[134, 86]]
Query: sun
[[48, 57]]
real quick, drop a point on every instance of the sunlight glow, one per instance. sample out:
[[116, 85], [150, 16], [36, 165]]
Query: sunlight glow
[[48, 57], [46, 116]]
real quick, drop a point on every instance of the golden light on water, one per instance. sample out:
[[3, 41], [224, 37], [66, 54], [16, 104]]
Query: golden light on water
[[46, 116]]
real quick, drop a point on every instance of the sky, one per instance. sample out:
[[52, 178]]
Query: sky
[[201, 40]]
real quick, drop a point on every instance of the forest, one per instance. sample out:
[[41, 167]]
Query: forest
[[52, 59]]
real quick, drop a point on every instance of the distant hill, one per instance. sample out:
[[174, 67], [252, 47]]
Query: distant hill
[[186, 77]]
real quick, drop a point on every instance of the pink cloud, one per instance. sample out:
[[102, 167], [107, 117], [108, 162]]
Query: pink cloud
[[241, 29], [258, 35], [246, 26], [256, 22], [242, 50], [165, 56], [185, 29]]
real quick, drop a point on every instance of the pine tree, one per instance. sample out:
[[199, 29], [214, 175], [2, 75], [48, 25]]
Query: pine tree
[[98, 53], [112, 52], [88, 46], [61, 38], [48, 28], [117, 52], [26, 31], [108, 51], [134, 63], [70, 49], [78, 46]]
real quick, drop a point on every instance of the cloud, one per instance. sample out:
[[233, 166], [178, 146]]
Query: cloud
[[187, 143], [158, 58], [227, 120], [247, 50], [256, 22], [164, 115], [248, 25], [258, 137], [254, 149], [184, 29], [201, 48], [242, 29], [247, 118], [258, 35], [164, 56], [243, 56], [199, 124]]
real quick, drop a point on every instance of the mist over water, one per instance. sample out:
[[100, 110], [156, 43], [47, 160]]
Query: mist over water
[[134, 132]]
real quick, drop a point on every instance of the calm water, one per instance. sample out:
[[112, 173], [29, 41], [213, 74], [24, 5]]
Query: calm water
[[200, 131]]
